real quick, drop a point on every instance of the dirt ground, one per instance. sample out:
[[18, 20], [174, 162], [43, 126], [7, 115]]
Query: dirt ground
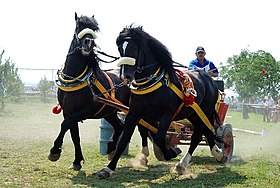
[[31, 121], [34, 121]]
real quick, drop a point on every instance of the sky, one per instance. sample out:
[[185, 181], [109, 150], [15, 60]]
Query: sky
[[37, 34]]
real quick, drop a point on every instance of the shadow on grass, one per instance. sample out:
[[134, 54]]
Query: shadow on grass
[[207, 173], [207, 160]]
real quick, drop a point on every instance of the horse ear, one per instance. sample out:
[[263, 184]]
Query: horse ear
[[92, 17], [76, 16]]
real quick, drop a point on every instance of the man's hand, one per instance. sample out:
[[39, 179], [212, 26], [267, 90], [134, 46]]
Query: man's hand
[[213, 74]]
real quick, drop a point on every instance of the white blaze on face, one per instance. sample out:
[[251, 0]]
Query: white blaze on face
[[124, 47]]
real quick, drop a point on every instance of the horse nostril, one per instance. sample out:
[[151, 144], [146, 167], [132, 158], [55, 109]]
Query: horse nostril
[[88, 41]]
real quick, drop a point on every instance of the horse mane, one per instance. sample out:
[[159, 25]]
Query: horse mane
[[160, 51], [89, 22]]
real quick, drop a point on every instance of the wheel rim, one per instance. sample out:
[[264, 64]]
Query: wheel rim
[[228, 143]]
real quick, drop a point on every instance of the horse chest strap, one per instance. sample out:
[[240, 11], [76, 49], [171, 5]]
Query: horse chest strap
[[202, 116]]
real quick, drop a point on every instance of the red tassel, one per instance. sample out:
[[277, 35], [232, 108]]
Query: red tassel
[[189, 100], [57, 109]]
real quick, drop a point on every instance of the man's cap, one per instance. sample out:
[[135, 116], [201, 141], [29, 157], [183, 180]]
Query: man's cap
[[200, 49]]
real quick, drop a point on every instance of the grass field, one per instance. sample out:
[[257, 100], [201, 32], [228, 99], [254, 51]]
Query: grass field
[[27, 132]]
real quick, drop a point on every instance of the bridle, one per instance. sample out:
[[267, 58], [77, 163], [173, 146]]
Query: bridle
[[141, 53], [78, 37]]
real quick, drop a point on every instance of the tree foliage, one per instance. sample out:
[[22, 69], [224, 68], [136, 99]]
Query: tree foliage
[[252, 74], [10, 79], [44, 86]]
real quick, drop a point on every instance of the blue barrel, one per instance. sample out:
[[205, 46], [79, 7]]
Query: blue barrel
[[106, 131]]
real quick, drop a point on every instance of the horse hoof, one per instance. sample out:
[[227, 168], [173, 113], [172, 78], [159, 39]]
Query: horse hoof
[[224, 159], [104, 173], [158, 153], [178, 170], [111, 155], [139, 162], [76, 167], [53, 157]]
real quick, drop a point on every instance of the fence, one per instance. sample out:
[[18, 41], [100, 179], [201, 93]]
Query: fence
[[270, 113], [32, 76]]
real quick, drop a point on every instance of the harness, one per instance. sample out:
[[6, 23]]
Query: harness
[[73, 84], [87, 78], [186, 93]]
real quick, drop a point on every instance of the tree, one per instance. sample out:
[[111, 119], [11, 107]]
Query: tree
[[44, 86], [10, 79], [252, 74]]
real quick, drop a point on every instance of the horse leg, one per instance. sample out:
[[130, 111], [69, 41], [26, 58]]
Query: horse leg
[[141, 159], [68, 123], [144, 137], [196, 138], [118, 129], [55, 151], [78, 151], [216, 152], [160, 138], [130, 124]]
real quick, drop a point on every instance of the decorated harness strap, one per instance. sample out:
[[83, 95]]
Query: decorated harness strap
[[187, 87], [188, 91]]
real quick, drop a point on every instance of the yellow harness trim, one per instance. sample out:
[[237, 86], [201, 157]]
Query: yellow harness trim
[[75, 88], [202, 116], [69, 81], [148, 126], [195, 106], [142, 83], [81, 86], [104, 91], [148, 90], [181, 95], [176, 90]]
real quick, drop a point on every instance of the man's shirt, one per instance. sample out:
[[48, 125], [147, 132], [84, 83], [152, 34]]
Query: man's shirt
[[206, 66]]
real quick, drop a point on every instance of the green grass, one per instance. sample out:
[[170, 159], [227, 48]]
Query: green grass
[[28, 130]]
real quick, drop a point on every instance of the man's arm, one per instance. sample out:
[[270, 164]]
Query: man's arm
[[213, 70], [192, 65]]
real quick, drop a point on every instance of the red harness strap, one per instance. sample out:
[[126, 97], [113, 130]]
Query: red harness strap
[[187, 86]]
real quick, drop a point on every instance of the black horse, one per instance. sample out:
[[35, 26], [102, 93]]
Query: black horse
[[80, 79], [158, 95]]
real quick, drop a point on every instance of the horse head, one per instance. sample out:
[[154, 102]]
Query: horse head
[[132, 51], [84, 35], [142, 56]]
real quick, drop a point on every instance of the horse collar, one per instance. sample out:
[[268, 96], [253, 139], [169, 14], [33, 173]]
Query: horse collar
[[73, 83], [150, 84]]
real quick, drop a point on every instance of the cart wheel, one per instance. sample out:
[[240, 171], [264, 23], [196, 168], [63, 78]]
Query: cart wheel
[[228, 144]]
